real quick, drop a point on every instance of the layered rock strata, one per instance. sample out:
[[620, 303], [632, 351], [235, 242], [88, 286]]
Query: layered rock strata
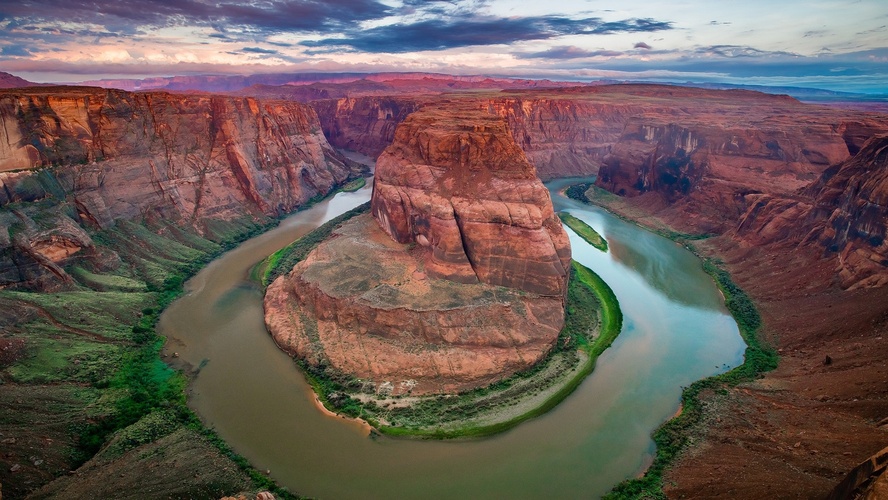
[[109, 155], [364, 305], [457, 281], [459, 187], [843, 215]]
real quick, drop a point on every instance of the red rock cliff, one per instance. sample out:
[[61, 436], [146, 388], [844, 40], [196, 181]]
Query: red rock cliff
[[455, 183], [843, 216], [112, 155], [364, 124], [184, 157]]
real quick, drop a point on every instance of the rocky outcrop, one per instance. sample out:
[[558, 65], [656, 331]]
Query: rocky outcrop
[[454, 183], [364, 305], [457, 281], [564, 136], [843, 215], [867, 481], [110, 155]]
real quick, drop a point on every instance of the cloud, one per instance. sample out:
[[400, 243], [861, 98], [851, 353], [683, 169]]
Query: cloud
[[567, 52], [440, 34], [737, 51], [265, 16], [259, 50], [874, 30], [642, 45]]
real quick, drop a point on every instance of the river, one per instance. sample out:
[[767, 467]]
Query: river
[[676, 330]]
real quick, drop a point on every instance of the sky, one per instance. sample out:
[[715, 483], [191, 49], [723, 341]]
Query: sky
[[836, 45]]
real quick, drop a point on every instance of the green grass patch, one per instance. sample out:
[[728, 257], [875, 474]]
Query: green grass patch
[[673, 436], [106, 282], [109, 314], [353, 185], [53, 357], [584, 230]]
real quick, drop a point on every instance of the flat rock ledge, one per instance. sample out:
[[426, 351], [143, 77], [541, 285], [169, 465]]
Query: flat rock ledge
[[364, 305]]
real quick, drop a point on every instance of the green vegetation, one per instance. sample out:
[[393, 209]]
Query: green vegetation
[[91, 354], [106, 282], [280, 262], [673, 436], [354, 185], [584, 230], [580, 192], [592, 322]]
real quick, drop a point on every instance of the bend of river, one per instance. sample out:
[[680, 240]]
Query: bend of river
[[675, 331]]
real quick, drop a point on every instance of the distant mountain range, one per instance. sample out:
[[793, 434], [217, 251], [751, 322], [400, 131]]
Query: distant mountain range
[[234, 83], [308, 86]]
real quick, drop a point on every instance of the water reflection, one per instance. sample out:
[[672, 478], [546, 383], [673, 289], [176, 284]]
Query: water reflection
[[675, 272]]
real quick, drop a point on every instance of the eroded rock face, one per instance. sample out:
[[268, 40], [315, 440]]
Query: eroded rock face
[[111, 155], [457, 185], [844, 214], [182, 157], [458, 279], [364, 124]]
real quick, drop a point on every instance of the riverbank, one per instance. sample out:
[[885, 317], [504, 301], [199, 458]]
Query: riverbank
[[87, 363], [92, 350], [675, 435], [593, 320]]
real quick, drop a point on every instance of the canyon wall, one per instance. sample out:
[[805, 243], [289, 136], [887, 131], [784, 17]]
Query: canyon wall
[[364, 124], [842, 216], [91, 157]]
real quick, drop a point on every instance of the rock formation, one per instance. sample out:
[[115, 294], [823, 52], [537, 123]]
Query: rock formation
[[464, 191], [114, 155], [844, 214], [457, 281]]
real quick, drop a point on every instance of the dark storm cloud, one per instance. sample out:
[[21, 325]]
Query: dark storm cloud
[[567, 52], [439, 34], [269, 15]]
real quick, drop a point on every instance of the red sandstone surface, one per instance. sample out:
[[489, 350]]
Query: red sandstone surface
[[455, 183], [365, 305]]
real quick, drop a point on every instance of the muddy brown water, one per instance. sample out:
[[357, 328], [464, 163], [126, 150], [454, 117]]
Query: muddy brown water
[[676, 330]]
